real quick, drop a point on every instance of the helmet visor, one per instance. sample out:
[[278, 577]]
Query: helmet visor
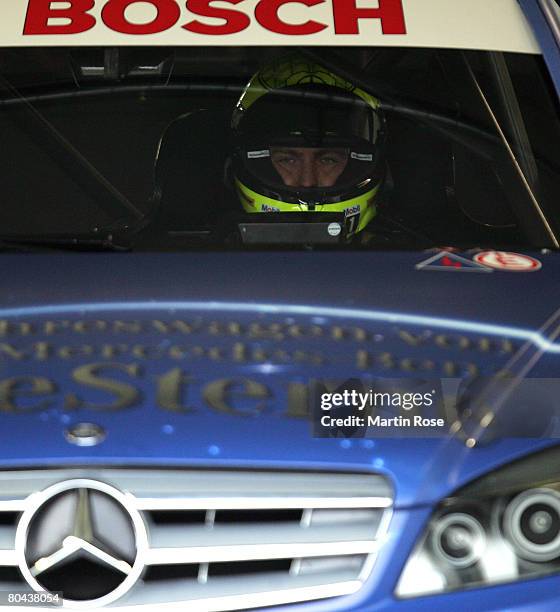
[[310, 115]]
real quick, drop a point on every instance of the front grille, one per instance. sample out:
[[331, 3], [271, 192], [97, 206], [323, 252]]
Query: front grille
[[229, 540]]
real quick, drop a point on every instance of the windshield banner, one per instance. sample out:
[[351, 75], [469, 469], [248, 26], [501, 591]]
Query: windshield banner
[[476, 24]]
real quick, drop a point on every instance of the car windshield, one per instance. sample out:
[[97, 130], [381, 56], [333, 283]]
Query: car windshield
[[395, 148]]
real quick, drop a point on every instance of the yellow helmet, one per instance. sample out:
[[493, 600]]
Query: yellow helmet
[[308, 140]]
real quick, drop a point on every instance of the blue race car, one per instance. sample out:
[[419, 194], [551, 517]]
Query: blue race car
[[279, 320]]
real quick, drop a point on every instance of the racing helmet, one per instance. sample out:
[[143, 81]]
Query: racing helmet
[[306, 139]]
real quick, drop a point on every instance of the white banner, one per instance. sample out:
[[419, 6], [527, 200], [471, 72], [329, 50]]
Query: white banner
[[469, 24]]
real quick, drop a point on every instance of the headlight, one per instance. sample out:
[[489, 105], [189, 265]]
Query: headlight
[[501, 528]]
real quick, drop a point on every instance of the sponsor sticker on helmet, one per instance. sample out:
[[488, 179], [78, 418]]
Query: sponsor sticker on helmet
[[510, 262], [353, 210], [352, 219], [334, 229], [258, 154], [362, 156]]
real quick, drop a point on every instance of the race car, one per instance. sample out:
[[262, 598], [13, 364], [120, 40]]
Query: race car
[[279, 320]]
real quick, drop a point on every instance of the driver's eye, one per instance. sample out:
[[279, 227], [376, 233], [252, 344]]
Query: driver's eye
[[332, 159], [285, 159]]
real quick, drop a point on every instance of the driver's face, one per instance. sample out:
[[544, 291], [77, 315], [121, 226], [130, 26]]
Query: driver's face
[[307, 167]]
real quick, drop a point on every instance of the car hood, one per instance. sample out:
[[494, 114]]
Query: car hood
[[205, 358]]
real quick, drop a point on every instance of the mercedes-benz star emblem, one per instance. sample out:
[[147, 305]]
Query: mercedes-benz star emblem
[[82, 538]]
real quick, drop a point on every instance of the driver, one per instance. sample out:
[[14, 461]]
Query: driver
[[307, 140]]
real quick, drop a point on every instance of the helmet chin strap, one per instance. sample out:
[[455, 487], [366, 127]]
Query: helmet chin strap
[[308, 206]]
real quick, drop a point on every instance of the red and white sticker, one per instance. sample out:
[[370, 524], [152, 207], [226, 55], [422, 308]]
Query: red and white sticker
[[511, 262]]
